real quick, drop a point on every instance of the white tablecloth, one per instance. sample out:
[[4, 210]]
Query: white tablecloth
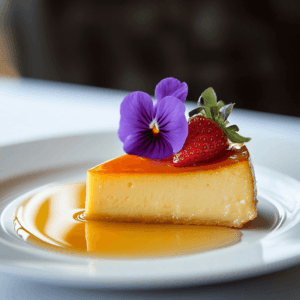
[[33, 109]]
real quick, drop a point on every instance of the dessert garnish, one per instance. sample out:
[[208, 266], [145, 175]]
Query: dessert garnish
[[155, 131], [132, 188], [161, 130], [207, 131]]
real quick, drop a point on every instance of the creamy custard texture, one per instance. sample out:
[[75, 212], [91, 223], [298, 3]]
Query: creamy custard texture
[[132, 188]]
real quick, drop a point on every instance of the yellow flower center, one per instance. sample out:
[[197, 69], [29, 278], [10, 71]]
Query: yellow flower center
[[154, 127]]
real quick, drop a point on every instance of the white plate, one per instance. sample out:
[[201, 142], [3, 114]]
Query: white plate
[[27, 166]]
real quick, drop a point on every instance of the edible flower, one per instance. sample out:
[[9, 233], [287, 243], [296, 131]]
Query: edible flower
[[155, 131]]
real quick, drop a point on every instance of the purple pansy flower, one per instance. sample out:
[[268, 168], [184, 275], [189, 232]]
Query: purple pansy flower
[[155, 131]]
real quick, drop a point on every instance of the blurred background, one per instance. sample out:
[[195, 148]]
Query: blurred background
[[248, 51]]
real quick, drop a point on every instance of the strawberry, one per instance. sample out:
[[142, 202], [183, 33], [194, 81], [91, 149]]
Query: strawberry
[[208, 134], [205, 140]]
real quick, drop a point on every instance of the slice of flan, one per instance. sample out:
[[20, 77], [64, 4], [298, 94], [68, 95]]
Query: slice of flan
[[133, 188]]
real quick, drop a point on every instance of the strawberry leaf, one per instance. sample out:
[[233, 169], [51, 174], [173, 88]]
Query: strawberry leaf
[[226, 110], [214, 111], [207, 112], [233, 127], [220, 103], [195, 111], [234, 136], [208, 98]]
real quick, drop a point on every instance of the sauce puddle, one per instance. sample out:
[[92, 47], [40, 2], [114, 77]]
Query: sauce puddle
[[52, 219]]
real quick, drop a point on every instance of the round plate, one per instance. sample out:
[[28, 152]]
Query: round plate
[[273, 244]]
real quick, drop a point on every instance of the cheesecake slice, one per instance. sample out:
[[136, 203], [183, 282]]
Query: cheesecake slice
[[132, 188]]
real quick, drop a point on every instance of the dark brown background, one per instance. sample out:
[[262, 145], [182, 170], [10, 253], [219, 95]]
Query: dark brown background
[[248, 51]]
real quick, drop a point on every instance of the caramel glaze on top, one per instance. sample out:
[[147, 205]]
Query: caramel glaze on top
[[136, 164]]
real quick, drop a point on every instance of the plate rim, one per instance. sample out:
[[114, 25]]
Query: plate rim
[[159, 283]]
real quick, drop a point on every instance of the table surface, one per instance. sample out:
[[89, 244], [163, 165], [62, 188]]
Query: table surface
[[35, 109]]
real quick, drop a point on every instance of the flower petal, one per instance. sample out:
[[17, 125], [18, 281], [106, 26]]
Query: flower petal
[[171, 87], [171, 121], [148, 145], [136, 114]]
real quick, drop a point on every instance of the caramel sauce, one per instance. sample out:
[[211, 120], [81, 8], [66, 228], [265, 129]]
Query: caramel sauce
[[136, 164], [51, 219]]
